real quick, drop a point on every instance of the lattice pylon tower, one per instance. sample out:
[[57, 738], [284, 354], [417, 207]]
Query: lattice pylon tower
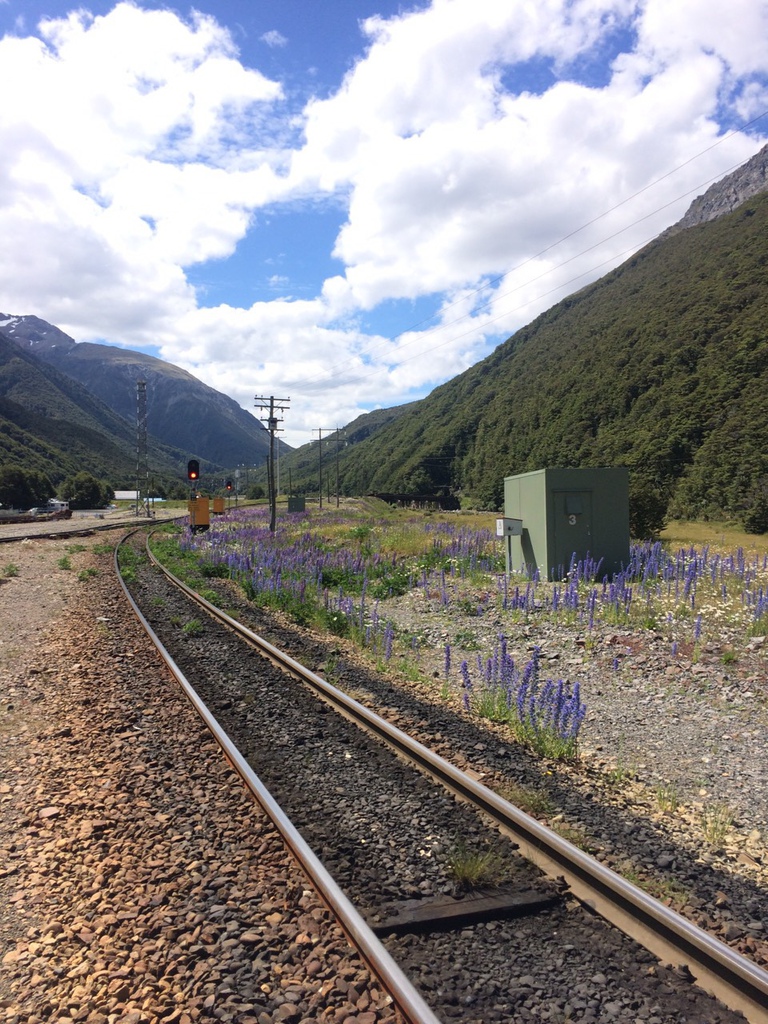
[[142, 470]]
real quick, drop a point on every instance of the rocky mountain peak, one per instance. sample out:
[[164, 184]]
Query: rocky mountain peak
[[35, 334], [728, 193]]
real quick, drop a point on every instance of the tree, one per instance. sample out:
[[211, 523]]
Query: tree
[[84, 491], [23, 488], [177, 492], [647, 508], [755, 517]]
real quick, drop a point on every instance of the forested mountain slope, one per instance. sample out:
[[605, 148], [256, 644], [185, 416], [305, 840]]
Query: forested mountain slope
[[661, 366]]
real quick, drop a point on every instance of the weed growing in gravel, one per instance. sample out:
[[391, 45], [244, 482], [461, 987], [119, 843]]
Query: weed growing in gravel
[[64, 562], [666, 889], [193, 627], [128, 560], [527, 798], [575, 836], [622, 772], [86, 574], [629, 872], [620, 775], [716, 820], [476, 869], [102, 549], [73, 549], [467, 640], [11, 570], [759, 626], [667, 797]]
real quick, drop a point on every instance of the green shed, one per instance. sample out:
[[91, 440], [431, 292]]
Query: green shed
[[552, 516]]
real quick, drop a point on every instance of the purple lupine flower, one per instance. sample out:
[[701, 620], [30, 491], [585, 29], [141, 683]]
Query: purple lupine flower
[[389, 636], [466, 682]]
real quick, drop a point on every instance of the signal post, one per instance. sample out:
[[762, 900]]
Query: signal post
[[199, 511]]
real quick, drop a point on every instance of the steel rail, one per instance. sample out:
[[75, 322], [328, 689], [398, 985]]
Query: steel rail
[[406, 998], [720, 971]]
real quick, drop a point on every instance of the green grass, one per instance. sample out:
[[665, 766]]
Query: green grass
[[128, 561], [716, 821], [668, 890], [667, 797], [533, 801], [720, 537], [11, 569], [575, 836], [474, 869]]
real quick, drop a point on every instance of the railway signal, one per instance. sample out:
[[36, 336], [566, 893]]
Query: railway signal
[[193, 470]]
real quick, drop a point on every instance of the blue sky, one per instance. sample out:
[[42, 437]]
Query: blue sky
[[349, 203]]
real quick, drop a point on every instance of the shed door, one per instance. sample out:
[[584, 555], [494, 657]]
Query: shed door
[[572, 528]]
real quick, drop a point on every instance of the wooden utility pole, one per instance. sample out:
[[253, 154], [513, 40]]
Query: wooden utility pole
[[273, 405]]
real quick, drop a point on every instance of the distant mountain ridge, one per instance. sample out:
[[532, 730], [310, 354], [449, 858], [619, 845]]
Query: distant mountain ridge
[[181, 411]]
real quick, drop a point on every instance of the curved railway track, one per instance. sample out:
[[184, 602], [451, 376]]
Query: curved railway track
[[737, 982]]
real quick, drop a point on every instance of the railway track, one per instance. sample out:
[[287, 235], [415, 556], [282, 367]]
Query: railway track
[[466, 970]]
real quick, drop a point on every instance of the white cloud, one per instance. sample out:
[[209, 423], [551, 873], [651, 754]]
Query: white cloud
[[274, 38], [467, 141], [119, 142]]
